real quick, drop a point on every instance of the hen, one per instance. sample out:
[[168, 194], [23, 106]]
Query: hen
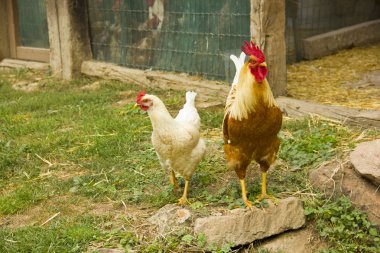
[[252, 119], [176, 140]]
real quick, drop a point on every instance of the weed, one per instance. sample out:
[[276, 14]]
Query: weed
[[346, 228]]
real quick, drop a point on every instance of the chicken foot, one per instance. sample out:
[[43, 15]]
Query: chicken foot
[[264, 194], [174, 181], [244, 194], [183, 200]]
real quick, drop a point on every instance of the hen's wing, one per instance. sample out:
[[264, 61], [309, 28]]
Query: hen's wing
[[189, 114]]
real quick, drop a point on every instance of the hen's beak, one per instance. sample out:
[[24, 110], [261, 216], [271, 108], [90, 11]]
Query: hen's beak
[[135, 106], [263, 64]]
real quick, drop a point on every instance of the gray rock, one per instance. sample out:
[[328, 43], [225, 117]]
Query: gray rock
[[366, 160], [242, 226], [169, 217], [303, 240], [335, 179]]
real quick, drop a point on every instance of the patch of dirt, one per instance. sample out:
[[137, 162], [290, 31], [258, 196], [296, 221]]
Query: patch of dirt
[[371, 79], [91, 87], [127, 97], [26, 86], [72, 205], [339, 178]]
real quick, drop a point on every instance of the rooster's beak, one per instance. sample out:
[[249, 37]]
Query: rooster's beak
[[263, 64], [135, 106]]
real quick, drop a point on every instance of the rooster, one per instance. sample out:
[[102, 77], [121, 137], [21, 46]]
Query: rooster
[[252, 119], [176, 140]]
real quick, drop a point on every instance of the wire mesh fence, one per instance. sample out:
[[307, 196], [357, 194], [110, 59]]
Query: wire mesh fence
[[195, 36], [32, 23], [306, 18]]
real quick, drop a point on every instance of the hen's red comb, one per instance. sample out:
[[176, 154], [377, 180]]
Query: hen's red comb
[[253, 50], [140, 95]]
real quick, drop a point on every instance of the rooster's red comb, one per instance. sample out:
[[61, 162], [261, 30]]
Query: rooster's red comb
[[140, 95], [253, 50]]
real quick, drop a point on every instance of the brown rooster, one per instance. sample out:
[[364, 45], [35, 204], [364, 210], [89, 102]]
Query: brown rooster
[[252, 119]]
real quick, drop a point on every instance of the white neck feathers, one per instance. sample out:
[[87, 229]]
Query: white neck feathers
[[250, 95]]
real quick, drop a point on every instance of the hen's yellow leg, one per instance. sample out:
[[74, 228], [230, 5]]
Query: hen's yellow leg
[[174, 181], [264, 194], [244, 194], [183, 200]]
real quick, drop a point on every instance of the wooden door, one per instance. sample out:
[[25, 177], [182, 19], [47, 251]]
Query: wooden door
[[28, 31]]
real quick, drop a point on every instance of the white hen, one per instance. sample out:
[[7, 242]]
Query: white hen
[[176, 140]]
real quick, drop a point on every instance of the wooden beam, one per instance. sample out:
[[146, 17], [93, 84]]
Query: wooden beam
[[33, 53], [268, 32], [357, 117], [210, 90]]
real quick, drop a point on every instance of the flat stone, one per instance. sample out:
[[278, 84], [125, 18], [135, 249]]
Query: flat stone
[[243, 226], [169, 217], [366, 160], [335, 179], [303, 240]]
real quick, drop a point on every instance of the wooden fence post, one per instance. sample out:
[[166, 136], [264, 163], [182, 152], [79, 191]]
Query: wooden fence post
[[68, 35], [268, 32], [4, 37]]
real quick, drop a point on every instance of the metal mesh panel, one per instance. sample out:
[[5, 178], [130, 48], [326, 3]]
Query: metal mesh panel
[[306, 18], [194, 36], [33, 29]]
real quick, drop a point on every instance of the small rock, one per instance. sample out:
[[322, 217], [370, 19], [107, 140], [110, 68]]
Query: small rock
[[170, 216], [242, 226], [366, 160], [338, 179]]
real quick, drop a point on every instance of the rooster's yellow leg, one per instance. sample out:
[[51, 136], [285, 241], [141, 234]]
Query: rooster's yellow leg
[[244, 194], [264, 194], [174, 181], [183, 200]]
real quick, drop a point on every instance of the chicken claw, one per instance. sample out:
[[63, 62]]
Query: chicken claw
[[264, 194], [183, 200]]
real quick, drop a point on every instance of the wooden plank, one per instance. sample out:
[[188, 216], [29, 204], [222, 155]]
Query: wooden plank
[[12, 28], [33, 53], [351, 36], [212, 91], [15, 64], [157, 79], [268, 32], [358, 117]]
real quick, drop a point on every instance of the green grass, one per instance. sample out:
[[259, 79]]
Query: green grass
[[73, 145], [65, 235], [346, 228]]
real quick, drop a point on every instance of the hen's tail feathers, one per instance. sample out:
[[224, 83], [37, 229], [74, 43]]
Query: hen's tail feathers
[[190, 98], [239, 62], [189, 113]]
